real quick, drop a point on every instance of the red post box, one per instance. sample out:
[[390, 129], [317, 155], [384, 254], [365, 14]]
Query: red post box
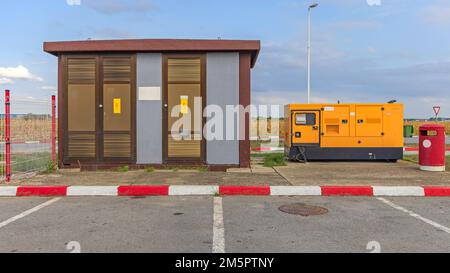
[[432, 148]]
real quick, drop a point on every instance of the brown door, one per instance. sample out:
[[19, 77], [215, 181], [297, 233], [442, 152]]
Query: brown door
[[184, 101], [100, 109], [81, 117], [117, 108]]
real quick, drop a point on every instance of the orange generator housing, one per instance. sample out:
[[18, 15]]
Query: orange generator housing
[[344, 132]]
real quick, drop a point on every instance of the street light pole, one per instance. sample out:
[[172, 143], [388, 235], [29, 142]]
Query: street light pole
[[309, 50]]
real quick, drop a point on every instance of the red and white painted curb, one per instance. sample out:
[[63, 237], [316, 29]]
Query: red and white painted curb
[[268, 149], [80, 191], [281, 149], [413, 149]]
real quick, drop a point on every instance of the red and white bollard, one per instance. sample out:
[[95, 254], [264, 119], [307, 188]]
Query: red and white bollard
[[432, 148], [8, 136], [54, 129]]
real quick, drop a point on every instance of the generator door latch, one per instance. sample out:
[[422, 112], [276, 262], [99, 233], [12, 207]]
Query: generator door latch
[[344, 121], [315, 128], [360, 121], [298, 134]]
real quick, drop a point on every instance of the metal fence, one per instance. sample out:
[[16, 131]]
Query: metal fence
[[28, 136]]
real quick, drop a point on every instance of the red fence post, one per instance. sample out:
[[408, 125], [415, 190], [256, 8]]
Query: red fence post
[[8, 135], [54, 129]]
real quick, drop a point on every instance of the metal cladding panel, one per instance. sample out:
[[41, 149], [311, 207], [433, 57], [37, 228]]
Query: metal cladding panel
[[223, 90], [149, 111]]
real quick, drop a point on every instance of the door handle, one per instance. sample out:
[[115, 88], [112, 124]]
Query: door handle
[[315, 128], [100, 106]]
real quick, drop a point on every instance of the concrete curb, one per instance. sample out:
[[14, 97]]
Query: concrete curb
[[85, 191]]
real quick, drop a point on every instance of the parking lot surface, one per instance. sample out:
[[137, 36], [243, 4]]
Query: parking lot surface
[[223, 224]]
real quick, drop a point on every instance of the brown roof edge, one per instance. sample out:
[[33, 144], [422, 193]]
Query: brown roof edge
[[155, 45]]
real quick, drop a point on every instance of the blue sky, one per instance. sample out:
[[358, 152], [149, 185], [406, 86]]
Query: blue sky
[[361, 53]]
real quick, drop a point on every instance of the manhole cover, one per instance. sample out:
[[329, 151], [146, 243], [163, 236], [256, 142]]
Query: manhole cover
[[303, 210]]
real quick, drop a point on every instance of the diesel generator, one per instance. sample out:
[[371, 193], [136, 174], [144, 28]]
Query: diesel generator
[[353, 132]]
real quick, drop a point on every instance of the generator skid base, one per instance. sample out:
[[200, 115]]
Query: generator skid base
[[302, 153]]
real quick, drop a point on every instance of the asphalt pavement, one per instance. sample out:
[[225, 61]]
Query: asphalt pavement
[[223, 224]]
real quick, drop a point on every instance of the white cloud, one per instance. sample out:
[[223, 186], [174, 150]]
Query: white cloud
[[73, 2], [374, 2], [438, 13], [282, 98], [5, 81], [19, 72], [287, 97], [339, 75], [371, 50], [49, 88], [119, 6]]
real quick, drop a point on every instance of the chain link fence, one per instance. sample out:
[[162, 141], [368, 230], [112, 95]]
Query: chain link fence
[[28, 136]]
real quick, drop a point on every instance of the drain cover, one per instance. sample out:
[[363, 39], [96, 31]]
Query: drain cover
[[303, 210]]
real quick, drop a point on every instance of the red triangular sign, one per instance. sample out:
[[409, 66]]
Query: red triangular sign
[[437, 109]]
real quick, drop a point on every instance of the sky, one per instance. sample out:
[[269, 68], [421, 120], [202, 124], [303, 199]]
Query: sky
[[362, 50]]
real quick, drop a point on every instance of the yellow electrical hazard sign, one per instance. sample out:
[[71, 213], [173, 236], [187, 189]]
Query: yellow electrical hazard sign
[[117, 106], [184, 105]]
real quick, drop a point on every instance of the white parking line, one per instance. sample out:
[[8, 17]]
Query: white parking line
[[28, 212], [415, 215], [219, 227]]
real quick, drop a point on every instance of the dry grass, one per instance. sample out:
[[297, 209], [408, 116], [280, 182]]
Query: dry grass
[[264, 129], [417, 124], [31, 129]]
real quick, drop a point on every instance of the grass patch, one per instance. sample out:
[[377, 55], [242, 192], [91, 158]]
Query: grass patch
[[415, 159], [175, 170], [123, 169], [150, 170], [203, 169], [51, 167], [30, 162], [411, 158], [274, 160]]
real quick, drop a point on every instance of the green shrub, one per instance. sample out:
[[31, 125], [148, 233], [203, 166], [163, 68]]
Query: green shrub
[[203, 170], [51, 167], [150, 170], [274, 160], [123, 169]]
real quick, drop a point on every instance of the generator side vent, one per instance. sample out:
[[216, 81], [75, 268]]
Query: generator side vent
[[332, 121], [373, 120], [332, 129]]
